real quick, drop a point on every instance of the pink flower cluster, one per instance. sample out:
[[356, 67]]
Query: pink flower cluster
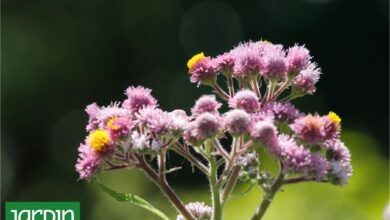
[[257, 75]]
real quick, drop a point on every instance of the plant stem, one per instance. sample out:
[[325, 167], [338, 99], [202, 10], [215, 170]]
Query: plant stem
[[230, 184], [165, 188], [214, 186], [268, 197], [177, 148], [281, 89], [222, 94]]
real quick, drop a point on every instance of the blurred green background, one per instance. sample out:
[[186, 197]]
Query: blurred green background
[[60, 55]]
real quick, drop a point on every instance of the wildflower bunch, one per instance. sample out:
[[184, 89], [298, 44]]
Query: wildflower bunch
[[261, 81]]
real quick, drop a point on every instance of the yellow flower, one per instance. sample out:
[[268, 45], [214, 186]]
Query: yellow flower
[[191, 62], [111, 124], [99, 139], [334, 118]]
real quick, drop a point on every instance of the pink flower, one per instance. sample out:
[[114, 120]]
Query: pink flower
[[263, 131], [237, 121], [155, 119], [296, 158], [298, 58], [282, 112], [88, 162], [306, 79], [203, 72], [274, 63], [92, 111], [245, 100], [309, 128], [206, 103], [119, 127], [137, 98], [247, 60], [224, 63], [208, 125]]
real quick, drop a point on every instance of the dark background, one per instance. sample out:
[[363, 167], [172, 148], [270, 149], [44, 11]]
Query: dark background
[[58, 56]]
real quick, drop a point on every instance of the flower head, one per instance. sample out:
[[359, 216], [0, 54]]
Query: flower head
[[206, 103], [309, 128], [264, 131], [282, 112], [199, 210], [245, 100], [274, 62], [88, 161], [138, 98], [196, 58], [100, 140], [237, 121], [155, 119], [224, 63], [318, 167], [202, 70], [339, 173], [247, 60], [298, 58], [306, 79], [142, 143], [179, 122], [207, 125], [295, 157], [119, 127], [92, 111]]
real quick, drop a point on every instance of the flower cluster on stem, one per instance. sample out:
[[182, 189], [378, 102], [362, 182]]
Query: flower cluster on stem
[[262, 79]]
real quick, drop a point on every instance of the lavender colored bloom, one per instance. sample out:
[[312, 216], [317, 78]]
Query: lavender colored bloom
[[224, 63], [247, 60], [92, 111], [318, 167], [295, 157], [142, 143], [190, 134], [264, 131], [180, 121], [306, 79], [337, 151], [309, 128], [88, 162], [339, 173], [119, 127], [237, 121], [274, 63], [138, 98], [199, 210], [298, 58], [113, 110], [245, 100], [282, 112], [331, 128], [206, 103], [340, 162], [207, 125], [155, 119], [203, 72]]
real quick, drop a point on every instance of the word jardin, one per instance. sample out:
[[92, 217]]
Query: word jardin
[[261, 81], [42, 211]]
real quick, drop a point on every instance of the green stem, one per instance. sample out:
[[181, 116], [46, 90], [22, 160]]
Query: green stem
[[230, 184], [217, 212], [214, 186], [268, 197]]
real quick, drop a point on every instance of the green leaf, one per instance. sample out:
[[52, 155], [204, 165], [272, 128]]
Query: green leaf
[[133, 199]]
